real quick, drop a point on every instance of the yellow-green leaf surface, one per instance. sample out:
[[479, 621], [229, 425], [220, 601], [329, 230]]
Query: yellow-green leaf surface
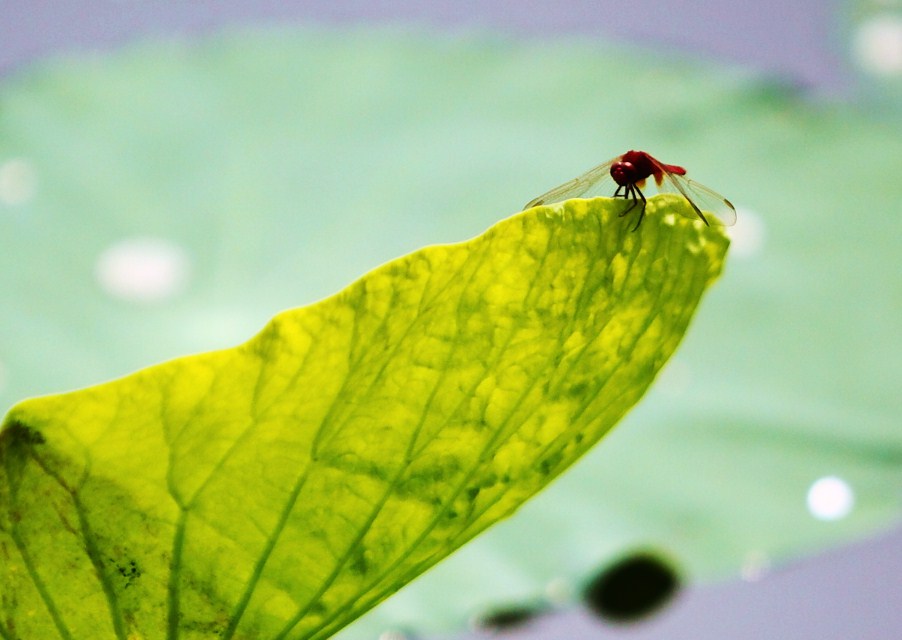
[[281, 488]]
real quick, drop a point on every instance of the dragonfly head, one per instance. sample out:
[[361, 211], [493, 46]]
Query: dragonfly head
[[624, 173]]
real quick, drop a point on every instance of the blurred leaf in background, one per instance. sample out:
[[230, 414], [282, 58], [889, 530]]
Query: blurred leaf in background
[[222, 174]]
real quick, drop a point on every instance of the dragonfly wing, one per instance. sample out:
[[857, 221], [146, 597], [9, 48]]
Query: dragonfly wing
[[711, 202], [713, 207], [593, 182]]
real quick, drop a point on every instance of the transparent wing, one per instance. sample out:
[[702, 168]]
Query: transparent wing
[[597, 181], [706, 204]]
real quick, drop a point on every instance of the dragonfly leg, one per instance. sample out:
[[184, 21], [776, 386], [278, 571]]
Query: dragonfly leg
[[642, 208], [629, 191], [638, 200]]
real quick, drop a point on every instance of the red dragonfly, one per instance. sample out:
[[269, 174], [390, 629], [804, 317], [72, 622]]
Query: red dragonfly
[[629, 172]]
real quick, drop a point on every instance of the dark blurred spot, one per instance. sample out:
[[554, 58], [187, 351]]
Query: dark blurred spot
[[513, 617], [631, 588]]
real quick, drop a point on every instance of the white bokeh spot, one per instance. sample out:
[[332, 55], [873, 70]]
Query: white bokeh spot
[[143, 269], [830, 498], [877, 45], [18, 181], [747, 235]]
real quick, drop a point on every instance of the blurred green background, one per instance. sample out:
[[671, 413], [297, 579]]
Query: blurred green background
[[170, 196]]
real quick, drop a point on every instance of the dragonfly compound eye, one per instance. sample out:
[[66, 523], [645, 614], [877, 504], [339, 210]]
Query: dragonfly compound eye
[[622, 172]]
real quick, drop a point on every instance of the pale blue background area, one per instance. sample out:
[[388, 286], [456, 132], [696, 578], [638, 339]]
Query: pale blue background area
[[851, 593]]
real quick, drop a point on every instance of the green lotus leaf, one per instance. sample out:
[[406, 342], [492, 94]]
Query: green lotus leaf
[[281, 488]]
